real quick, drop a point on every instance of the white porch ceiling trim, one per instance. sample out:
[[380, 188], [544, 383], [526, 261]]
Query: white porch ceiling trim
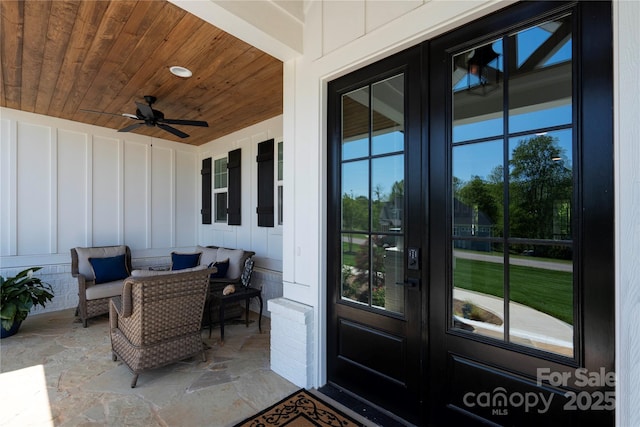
[[261, 23]]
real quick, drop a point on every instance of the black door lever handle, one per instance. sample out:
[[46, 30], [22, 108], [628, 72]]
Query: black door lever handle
[[410, 282]]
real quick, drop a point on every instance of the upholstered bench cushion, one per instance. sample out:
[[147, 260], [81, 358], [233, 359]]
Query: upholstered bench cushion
[[104, 290]]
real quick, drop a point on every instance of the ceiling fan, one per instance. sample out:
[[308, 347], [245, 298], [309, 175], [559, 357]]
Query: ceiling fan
[[151, 118]]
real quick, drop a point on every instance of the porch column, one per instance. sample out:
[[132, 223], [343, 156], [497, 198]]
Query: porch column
[[292, 341]]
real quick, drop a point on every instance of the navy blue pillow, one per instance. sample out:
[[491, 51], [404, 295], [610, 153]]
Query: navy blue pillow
[[109, 269], [222, 267], [182, 261]]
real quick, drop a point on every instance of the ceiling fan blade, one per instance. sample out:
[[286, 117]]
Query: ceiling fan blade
[[100, 112], [174, 131], [131, 127], [185, 122], [130, 116], [146, 110]]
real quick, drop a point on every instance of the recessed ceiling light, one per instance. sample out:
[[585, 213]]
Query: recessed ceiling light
[[180, 71]]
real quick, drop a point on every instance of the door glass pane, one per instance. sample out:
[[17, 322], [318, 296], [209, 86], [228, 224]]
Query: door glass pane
[[388, 219], [220, 173], [478, 92], [387, 194], [372, 187], [390, 292], [355, 267], [478, 189], [355, 195], [541, 297], [541, 186], [388, 115], [478, 292], [540, 84], [355, 124], [513, 187], [378, 276], [221, 207]]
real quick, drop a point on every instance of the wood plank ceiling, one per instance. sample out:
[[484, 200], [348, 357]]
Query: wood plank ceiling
[[61, 57]]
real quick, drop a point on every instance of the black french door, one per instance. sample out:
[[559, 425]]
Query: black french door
[[376, 222], [521, 284], [470, 223]]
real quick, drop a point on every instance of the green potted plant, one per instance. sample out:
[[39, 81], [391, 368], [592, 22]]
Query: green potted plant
[[19, 294]]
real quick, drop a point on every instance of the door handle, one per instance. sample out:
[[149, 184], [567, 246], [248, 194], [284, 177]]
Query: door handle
[[411, 282]]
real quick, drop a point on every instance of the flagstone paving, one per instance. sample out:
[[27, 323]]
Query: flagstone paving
[[55, 372]]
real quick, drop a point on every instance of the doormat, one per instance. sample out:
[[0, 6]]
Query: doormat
[[300, 409]]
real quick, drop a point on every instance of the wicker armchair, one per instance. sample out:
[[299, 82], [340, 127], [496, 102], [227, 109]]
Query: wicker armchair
[[157, 319], [93, 298]]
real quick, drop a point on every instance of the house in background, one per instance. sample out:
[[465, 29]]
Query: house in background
[[371, 99]]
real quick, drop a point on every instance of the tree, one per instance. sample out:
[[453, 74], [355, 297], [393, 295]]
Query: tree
[[355, 215], [539, 183], [479, 194]]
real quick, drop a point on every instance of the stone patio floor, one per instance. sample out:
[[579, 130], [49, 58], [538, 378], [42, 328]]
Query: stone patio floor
[[54, 372]]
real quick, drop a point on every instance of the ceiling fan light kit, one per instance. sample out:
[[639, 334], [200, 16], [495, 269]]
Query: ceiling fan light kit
[[179, 71]]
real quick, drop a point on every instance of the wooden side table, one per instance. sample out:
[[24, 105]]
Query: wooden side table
[[241, 293]]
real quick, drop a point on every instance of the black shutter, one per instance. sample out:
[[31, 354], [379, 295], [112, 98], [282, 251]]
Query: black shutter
[[265, 184], [234, 216], [206, 191]]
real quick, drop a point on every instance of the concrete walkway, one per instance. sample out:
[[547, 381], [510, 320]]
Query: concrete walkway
[[528, 326], [525, 262]]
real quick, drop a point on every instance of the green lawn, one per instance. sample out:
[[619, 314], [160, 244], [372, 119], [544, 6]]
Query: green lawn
[[545, 290], [349, 252]]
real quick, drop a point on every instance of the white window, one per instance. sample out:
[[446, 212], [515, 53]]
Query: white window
[[220, 189]]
